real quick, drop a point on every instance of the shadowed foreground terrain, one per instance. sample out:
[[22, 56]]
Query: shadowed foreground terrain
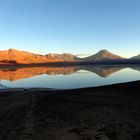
[[102, 113]]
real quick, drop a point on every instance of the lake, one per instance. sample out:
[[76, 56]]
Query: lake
[[67, 77]]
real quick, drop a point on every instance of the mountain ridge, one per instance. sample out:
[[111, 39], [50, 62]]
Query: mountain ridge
[[23, 57], [135, 57], [14, 56], [103, 55]]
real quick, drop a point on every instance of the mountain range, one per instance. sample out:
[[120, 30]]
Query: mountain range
[[13, 56]]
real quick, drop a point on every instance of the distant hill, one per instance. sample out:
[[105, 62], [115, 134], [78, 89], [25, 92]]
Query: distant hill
[[134, 60], [22, 57], [103, 55], [63, 57], [13, 56], [135, 57]]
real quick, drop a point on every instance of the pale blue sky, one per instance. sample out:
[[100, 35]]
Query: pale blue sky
[[73, 26]]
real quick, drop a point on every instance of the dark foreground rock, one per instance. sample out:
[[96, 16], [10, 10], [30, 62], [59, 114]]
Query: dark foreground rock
[[102, 113]]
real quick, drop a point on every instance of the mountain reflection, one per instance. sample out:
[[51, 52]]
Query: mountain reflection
[[22, 73], [27, 72], [103, 71]]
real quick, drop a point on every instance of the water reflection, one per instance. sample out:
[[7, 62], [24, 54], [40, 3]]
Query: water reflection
[[56, 76], [22, 73]]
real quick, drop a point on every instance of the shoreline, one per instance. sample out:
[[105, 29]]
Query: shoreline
[[67, 64], [115, 86]]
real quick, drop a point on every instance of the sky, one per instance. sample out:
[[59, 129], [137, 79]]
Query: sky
[[71, 26]]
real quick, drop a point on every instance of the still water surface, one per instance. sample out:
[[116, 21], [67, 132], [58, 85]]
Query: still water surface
[[67, 77]]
